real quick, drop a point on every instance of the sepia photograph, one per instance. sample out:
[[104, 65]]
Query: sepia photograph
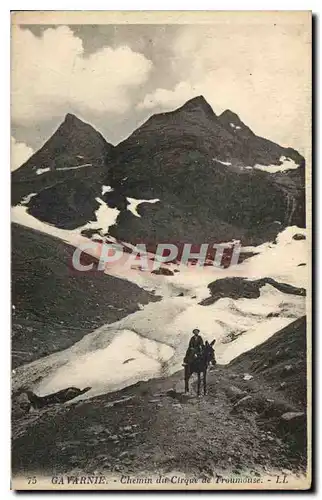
[[161, 248]]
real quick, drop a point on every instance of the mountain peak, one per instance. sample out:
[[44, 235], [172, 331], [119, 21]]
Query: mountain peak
[[71, 119], [198, 102], [229, 115], [232, 122]]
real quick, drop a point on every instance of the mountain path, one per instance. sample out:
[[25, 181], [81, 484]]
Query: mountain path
[[154, 426]]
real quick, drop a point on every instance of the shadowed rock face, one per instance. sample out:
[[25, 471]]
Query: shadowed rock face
[[237, 288], [198, 164]]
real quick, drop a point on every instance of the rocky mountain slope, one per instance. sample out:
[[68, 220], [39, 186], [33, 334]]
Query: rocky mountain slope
[[60, 182], [214, 177], [55, 306], [251, 422]]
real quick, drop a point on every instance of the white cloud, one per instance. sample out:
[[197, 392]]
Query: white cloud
[[51, 72], [20, 153], [261, 72]]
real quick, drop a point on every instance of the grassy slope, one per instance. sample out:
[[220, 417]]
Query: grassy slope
[[54, 306]]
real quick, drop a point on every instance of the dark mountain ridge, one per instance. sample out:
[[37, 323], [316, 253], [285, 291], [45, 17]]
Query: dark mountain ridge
[[199, 166], [202, 171]]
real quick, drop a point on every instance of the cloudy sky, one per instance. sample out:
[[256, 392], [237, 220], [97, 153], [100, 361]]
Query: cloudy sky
[[116, 76]]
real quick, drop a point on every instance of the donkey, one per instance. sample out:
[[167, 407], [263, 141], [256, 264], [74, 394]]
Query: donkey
[[199, 364]]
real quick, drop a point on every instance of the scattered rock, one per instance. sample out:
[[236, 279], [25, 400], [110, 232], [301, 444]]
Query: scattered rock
[[273, 315], [96, 429], [163, 271], [247, 376], [235, 393], [132, 435], [172, 393], [181, 294], [128, 360], [245, 402], [293, 423], [288, 369], [293, 415], [299, 236]]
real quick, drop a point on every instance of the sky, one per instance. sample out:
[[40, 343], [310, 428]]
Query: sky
[[116, 76]]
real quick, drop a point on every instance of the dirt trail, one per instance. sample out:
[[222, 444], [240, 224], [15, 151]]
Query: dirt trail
[[154, 426]]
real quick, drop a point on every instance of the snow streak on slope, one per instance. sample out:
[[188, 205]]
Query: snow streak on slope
[[285, 164], [105, 217]]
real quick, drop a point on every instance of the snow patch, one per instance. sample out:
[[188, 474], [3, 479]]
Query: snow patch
[[227, 163], [133, 205], [254, 337], [156, 338], [106, 189], [27, 198], [105, 369], [40, 171], [236, 127], [105, 217], [286, 164]]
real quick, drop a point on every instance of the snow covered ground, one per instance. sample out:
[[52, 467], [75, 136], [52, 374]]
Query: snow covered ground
[[152, 341]]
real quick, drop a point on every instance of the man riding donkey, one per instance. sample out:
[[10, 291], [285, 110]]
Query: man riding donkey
[[197, 359], [195, 347]]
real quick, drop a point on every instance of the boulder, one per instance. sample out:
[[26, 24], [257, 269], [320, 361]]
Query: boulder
[[293, 425], [293, 415], [20, 406], [234, 393], [299, 236], [245, 402], [163, 271]]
